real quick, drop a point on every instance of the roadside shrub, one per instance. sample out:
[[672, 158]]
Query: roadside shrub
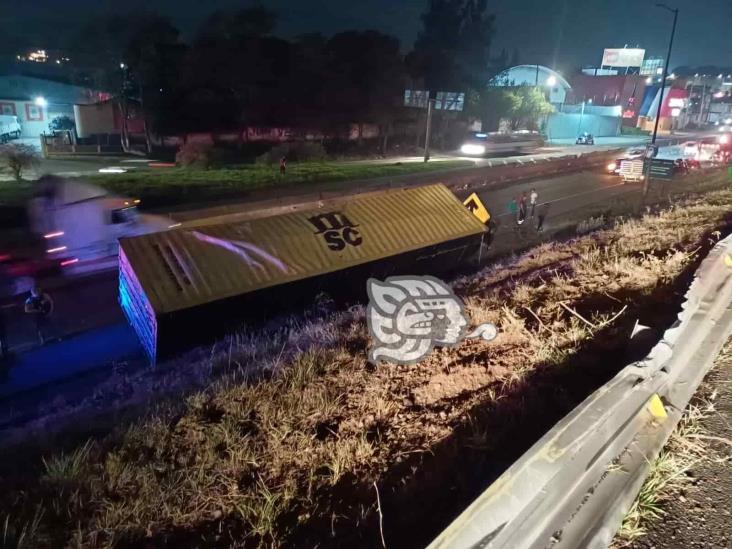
[[301, 151], [631, 130], [18, 157], [196, 155]]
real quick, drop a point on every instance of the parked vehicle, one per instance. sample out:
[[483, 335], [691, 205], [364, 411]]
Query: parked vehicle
[[9, 128], [586, 139]]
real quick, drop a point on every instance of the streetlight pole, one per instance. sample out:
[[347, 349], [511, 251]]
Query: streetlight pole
[[675, 11], [428, 131]]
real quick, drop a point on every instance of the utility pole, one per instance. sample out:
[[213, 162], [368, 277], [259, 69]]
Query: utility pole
[[428, 131], [646, 180]]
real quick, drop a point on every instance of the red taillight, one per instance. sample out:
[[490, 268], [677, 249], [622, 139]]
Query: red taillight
[[67, 262], [5, 257]]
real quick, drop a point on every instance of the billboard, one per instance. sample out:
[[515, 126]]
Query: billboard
[[416, 98], [623, 57], [450, 101]]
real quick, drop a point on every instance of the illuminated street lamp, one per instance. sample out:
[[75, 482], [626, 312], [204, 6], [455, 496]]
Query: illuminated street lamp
[[551, 81], [40, 101]]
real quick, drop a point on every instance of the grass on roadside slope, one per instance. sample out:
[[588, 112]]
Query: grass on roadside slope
[[175, 185], [275, 459]]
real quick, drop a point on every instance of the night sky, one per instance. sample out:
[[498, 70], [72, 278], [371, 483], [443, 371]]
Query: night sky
[[577, 29]]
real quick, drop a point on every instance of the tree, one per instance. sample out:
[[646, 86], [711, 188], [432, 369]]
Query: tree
[[452, 51], [492, 104], [17, 158], [236, 72], [134, 57], [62, 123], [529, 104], [366, 78]]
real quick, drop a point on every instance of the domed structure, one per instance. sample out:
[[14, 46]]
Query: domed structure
[[535, 75]]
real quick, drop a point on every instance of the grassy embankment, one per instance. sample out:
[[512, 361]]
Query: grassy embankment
[[291, 443]]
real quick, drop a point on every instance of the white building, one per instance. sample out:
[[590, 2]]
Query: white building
[[36, 101], [535, 75]]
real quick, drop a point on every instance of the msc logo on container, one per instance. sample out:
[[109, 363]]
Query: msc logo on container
[[338, 231]]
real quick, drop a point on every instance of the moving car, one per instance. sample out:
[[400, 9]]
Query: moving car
[[586, 139], [634, 153], [614, 166], [691, 149], [482, 143]]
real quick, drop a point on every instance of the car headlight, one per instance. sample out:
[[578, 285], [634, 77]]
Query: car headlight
[[472, 149], [724, 139], [611, 167]]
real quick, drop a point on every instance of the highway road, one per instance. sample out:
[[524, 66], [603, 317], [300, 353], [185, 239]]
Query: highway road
[[87, 311]]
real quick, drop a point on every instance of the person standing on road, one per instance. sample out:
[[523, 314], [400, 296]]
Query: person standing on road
[[522, 208], [513, 209], [533, 197], [543, 212], [283, 165], [40, 306]]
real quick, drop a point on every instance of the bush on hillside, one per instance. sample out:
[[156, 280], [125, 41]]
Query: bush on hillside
[[294, 152], [18, 157], [196, 155]]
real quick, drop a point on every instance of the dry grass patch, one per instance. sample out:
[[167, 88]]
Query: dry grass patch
[[293, 455]]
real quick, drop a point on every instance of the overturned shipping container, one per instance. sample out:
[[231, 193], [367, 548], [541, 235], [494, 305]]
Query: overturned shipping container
[[187, 285]]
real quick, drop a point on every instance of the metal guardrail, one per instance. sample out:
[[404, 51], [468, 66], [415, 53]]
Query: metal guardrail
[[573, 487]]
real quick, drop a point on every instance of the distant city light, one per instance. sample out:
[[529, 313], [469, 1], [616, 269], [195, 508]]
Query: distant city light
[[40, 101], [649, 80], [39, 56], [659, 70], [551, 81], [122, 66]]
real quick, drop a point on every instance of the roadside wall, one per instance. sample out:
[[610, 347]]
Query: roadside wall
[[562, 125]]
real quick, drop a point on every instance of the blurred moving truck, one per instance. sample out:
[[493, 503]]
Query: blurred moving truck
[[83, 223]]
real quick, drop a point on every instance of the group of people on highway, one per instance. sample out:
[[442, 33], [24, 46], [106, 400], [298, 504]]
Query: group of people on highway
[[524, 206]]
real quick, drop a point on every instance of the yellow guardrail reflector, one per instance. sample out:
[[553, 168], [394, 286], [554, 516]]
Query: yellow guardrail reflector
[[656, 408], [474, 204]]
